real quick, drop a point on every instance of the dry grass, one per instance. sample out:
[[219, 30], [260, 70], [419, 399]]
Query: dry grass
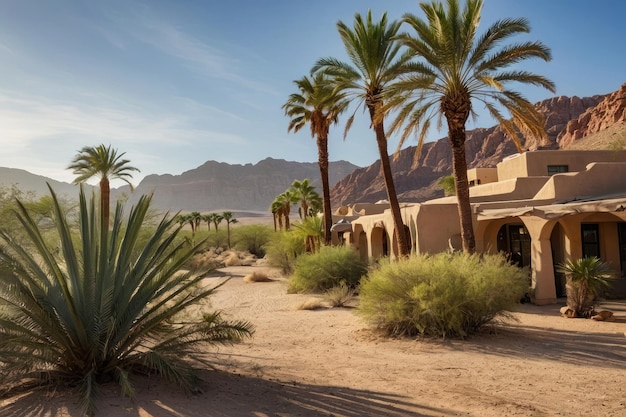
[[339, 296], [257, 276], [311, 304]]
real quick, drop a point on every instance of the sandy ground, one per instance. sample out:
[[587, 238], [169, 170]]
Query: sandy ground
[[329, 363]]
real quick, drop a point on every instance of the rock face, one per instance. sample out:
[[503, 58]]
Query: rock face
[[219, 186], [567, 119], [611, 110]]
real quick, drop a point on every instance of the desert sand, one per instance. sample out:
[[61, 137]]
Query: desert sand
[[329, 362]]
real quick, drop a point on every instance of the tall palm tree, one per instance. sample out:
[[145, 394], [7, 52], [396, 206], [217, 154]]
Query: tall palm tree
[[306, 194], [319, 104], [105, 163], [377, 61], [456, 67]]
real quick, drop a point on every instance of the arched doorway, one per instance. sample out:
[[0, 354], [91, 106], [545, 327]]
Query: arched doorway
[[557, 241], [379, 242], [514, 240]]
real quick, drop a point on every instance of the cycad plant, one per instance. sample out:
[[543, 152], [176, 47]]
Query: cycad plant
[[103, 306], [586, 277]]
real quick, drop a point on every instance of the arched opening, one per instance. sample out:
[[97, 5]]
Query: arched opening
[[379, 242], [363, 245], [514, 240]]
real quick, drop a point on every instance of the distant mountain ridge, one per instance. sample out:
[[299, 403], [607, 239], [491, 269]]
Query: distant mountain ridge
[[568, 120], [218, 185], [29, 182]]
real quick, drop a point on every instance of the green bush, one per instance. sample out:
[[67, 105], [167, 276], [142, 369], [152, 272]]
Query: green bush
[[447, 295], [332, 266], [252, 238], [283, 249]]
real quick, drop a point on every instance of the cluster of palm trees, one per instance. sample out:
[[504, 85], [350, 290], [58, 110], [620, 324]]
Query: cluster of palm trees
[[300, 192], [438, 70], [195, 219]]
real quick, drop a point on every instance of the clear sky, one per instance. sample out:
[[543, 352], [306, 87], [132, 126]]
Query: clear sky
[[176, 83]]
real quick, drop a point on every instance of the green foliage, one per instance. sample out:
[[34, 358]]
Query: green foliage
[[113, 304], [447, 295], [252, 238], [283, 249], [330, 267], [447, 184], [311, 231], [586, 277]]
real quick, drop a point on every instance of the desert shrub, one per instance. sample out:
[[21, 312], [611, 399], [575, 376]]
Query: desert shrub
[[111, 306], [446, 295], [252, 238], [283, 249], [330, 267], [339, 296]]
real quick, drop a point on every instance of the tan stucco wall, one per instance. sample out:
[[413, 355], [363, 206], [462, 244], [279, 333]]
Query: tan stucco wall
[[507, 190], [535, 164], [482, 175], [598, 179]]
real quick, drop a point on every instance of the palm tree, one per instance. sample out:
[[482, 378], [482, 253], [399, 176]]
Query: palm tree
[[277, 212], [228, 216], [216, 218], [319, 104], [306, 194], [285, 200], [104, 163], [457, 67], [97, 311], [376, 63]]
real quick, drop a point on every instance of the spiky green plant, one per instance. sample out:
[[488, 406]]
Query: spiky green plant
[[586, 277], [112, 305]]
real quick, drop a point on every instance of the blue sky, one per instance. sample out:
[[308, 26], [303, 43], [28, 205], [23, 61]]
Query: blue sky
[[176, 83]]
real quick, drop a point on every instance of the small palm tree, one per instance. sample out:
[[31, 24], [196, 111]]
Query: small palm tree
[[276, 208], [99, 310], [319, 104], [311, 231], [104, 163], [376, 64], [228, 216], [306, 194], [216, 218], [456, 66], [586, 277]]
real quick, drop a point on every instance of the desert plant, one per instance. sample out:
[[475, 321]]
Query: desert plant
[[586, 277], [311, 304], [110, 306], [283, 249], [339, 296], [446, 295], [252, 238], [311, 231], [331, 266]]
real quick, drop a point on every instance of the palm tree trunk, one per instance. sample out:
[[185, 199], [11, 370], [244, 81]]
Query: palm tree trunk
[[105, 198], [322, 161], [461, 185], [381, 141]]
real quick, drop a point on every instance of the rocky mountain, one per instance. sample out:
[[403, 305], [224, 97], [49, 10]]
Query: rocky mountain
[[218, 186], [568, 119]]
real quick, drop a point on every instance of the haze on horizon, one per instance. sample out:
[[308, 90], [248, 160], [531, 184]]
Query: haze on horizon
[[174, 84]]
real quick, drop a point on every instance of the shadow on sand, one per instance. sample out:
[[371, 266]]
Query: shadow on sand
[[229, 395]]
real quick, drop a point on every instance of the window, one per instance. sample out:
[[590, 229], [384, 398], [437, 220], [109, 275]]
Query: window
[[591, 239], [556, 169]]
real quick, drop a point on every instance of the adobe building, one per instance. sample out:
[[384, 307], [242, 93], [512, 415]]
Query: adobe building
[[542, 208]]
